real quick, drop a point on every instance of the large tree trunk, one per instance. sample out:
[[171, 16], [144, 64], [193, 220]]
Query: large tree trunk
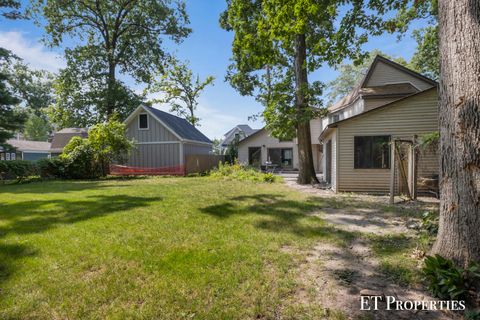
[[111, 83], [306, 173], [459, 232]]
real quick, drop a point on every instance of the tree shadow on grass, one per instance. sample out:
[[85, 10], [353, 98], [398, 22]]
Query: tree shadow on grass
[[281, 215], [30, 217], [39, 215], [59, 186]]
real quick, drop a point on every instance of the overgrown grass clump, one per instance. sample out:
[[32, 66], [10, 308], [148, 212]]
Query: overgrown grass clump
[[240, 172]]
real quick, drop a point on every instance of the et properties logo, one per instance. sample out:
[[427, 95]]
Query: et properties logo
[[371, 302]]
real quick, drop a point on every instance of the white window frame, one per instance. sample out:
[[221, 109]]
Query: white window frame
[[148, 121], [13, 157], [7, 156]]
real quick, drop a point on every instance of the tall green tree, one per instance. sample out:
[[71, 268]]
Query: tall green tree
[[81, 93], [295, 37], [10, 119], [35, 90], [36, 128], [426, 58], [33, 87], [181, 90], [121, 36]]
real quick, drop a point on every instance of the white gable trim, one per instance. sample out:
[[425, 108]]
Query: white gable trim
[[139, 109]]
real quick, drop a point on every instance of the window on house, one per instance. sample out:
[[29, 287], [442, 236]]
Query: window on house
[[143, 121], [372, 152], [7, 155], [13, 156]]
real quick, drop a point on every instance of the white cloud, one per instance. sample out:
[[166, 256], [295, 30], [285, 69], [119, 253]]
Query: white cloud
[[38, 56]]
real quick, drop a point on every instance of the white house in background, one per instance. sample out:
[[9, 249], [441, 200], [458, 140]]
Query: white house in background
[[237, 133], [261, 148]]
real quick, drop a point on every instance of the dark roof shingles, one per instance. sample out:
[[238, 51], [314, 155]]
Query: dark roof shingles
[[180, 126]]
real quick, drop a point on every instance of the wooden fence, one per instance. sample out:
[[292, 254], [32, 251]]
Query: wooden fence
[[199, 163]]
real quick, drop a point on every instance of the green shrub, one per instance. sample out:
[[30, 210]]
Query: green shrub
[[51, 168], [17, 170], [472, 315], [430, 223], [447, 281], [243, 173], [90, 158], [79, 158]]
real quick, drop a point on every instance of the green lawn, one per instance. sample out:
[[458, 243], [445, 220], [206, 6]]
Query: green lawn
[[153, 248]]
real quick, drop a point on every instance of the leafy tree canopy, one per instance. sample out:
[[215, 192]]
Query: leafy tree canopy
[[181, 90], [81, 93], [36, 128], [115, 36], [263, 49], [10, 119]]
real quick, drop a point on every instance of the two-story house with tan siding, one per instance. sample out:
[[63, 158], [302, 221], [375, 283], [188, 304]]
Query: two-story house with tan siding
[[390, 103]]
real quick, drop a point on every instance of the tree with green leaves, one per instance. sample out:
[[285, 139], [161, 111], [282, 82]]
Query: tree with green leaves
[[36, 128], [81, 93], [181, 90], [426, 58], [10, 9], [113, 37], [34, 89], [351, 74], [293, 38], [91, 157], [10, 119]]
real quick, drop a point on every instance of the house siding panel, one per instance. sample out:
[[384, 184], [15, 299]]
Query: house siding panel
[[414, 116], [189, 148], [384, 73], [155, 155], [156, 131]]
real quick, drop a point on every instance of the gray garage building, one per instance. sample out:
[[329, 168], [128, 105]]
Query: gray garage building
[[162, 142]]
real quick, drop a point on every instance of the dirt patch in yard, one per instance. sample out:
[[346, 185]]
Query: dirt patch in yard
[[335, 276]]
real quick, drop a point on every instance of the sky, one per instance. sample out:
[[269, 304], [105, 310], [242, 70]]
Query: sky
[[208, 50]]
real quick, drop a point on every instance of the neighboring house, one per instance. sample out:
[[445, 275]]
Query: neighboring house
[[162, 141], [238, 133], [26, 150], [62, 138], [391, 102], [261, 148]]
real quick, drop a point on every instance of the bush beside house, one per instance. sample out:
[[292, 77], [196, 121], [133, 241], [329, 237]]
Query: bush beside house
[[82, 158]]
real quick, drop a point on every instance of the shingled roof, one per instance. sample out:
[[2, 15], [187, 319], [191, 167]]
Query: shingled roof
[[26, 145], [180, 126], [62, 138], [396, 89]]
